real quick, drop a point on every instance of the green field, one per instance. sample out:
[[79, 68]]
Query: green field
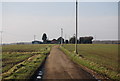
[[20, 61], [102, 58], [23, 60]]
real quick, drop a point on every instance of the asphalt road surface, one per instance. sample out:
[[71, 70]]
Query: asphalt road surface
[[59, 66]]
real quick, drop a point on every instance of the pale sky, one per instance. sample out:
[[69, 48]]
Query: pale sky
[[22, 20]]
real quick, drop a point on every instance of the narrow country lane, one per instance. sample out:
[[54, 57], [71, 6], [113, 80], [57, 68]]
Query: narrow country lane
[[59, 66]]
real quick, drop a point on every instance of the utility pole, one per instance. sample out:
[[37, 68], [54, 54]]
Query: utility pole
[[61, 36], [34, 37], [76, 27]]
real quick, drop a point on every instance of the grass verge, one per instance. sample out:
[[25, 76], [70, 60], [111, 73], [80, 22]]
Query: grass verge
[[92, 65]]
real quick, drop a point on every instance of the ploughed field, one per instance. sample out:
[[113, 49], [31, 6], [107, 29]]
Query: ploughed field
[[21, 61], [102, 58]]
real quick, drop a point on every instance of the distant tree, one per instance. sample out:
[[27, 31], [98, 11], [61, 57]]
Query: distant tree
[[59, 40], [44, 38], [72, 40], [66, 41], [54, 40]]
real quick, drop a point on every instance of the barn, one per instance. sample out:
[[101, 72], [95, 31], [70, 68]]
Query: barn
[[37, 42]]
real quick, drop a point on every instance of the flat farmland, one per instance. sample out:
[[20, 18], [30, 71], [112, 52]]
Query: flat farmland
[[22, 60], [102, 58]]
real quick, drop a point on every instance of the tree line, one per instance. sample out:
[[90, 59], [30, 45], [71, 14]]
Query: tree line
[[81, 40]]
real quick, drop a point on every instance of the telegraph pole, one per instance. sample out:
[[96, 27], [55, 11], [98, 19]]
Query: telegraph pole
[[76, 27], [61, 36]]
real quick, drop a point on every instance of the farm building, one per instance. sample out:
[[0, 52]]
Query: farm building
[[37, 42]]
